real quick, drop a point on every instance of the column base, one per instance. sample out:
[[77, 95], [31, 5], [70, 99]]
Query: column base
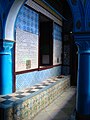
[[82, 117]]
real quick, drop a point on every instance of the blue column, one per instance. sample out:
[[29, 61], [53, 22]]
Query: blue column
[[6, 76], [83, 82]]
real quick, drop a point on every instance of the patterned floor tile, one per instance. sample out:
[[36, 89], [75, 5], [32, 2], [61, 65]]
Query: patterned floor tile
[[2, 99], [42, 86], [30, 91], [13, 94], [45, 84], [51, 81], [38, 84], [55, 79], [2, 96], [7, 102], [14, 99], [7, 97], [43, 81], [33, 87], [39, 87], [26, 94], [34, 90], [20, 96]]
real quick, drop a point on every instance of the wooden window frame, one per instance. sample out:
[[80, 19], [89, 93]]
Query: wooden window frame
[[39, 68]]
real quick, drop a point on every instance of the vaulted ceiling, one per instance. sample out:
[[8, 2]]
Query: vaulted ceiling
[[61, 6]]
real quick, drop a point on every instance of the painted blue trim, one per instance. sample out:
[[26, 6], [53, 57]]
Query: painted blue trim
[[83, 82], [83, 87], [84, 52], [54, 10], [6, 77]]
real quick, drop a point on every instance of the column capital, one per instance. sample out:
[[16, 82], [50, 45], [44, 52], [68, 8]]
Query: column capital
[[6, 76], [82, 40], [6, 46]]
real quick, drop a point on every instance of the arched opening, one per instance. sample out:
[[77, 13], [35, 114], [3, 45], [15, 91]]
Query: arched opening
[[67, 28], [68, 47], [11, 18]]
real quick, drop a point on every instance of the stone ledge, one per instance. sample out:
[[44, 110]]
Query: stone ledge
[[27, 103]]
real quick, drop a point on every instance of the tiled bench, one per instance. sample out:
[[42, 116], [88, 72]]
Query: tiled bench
[[24, 105]]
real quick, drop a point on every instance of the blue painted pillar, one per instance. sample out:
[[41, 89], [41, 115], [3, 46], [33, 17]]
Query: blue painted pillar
[[83, 80], [6, 76]]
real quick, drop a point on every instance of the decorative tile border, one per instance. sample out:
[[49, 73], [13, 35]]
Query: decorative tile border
[[27, 20], [24, 105]]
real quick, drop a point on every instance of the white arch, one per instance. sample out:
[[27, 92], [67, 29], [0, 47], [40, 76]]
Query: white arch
[[10, 22]]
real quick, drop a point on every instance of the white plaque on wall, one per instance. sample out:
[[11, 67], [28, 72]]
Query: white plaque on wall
[[57, 51], [26, 50]]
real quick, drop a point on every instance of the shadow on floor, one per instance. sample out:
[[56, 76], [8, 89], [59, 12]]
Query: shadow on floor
[[63, 108], [68, 110]]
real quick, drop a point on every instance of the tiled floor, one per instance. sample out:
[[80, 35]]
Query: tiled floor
[[61, 109]]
